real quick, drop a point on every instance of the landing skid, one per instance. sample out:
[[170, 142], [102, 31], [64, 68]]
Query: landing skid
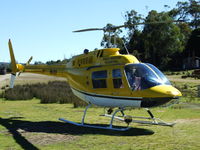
[[128, 119], [110, 127], [94, 126], [155, 121], [144, 120]]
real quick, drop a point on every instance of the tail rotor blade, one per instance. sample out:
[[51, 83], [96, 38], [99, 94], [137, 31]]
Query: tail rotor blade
[[13, 65], [12, 80], [28, 62], [13, 62]]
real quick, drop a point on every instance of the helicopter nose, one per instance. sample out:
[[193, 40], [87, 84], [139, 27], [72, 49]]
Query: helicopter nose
[[175, 92], [167, 91]]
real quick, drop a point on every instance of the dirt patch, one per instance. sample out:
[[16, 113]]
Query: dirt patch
[[5, 132], [43, 138], [46, 138], [4, 77]]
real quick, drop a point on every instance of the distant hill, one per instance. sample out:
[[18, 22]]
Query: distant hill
[[4, 68], [4, 64]]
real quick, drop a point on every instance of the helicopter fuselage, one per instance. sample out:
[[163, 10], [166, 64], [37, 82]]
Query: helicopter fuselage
[[109, 79]]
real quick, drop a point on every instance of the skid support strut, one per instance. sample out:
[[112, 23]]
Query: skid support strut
[[83, 118], [113, 117], [110, 127]]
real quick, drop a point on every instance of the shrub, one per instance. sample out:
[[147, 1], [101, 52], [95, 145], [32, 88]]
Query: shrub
[[53, 92], [18, 93]]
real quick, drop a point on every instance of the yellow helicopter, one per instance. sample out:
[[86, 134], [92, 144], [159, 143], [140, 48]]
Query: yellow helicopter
[[111, 80]]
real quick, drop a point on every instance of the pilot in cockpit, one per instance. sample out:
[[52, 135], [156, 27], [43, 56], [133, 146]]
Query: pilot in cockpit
[[134, 79]]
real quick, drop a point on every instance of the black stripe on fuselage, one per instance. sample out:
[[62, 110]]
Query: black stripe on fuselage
[[112, 97], [145, 102]]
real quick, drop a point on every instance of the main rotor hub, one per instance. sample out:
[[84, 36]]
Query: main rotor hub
[[110, 29]]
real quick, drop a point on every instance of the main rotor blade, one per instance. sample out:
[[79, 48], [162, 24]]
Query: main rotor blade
[[90, 29], [154, 22], [113, 28], [13, 62]]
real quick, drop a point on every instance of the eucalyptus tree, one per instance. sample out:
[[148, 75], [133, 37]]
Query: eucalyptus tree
[[189, 11], [161, 40], [111, 38]]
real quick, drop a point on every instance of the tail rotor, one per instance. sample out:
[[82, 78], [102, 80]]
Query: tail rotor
[[14, 66]]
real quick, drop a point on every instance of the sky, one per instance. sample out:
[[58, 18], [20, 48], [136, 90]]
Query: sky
[[43, 28]]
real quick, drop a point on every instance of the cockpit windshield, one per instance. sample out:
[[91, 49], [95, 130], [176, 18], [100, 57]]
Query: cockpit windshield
[[143, 75]]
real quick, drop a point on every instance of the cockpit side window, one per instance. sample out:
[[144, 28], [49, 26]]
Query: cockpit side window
[[142, 76], [134, 78], [117, 78], [99, 79]]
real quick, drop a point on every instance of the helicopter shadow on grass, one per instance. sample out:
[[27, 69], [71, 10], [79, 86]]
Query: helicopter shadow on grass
[[13, 125]]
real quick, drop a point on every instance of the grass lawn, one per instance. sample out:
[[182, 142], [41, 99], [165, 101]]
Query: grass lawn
[[31, 125]]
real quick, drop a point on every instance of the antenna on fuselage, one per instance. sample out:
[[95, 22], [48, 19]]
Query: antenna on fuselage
[[125, 47]]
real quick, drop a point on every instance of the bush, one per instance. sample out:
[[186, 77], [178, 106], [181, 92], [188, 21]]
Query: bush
[[18, 93], [53, 92]]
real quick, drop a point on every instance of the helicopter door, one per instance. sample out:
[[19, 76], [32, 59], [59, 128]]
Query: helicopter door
[[117, 78]]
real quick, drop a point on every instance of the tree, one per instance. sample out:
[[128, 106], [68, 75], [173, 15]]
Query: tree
[[52, 62], [132, 19], [38, 63], [161, 43], [188, 11], [133, 37], [111, 38], [192, 47], [161, 40], [178, 57], [135, 45]]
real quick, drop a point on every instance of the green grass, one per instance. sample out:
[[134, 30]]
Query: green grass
[[31, 125]]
